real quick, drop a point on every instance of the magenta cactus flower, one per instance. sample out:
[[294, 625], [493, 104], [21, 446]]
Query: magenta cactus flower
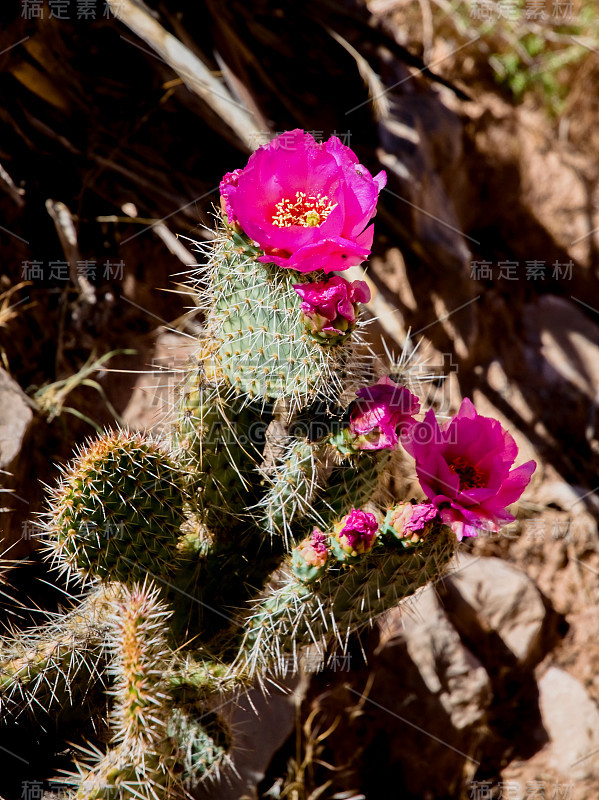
[[380, 411], [464, 468], [356, 532], [330, 307], [306, 204]]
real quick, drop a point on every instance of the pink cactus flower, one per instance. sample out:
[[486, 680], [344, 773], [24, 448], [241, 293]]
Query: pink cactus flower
[[356, 531], [306, 204], [380, 410], [464, 469], [330, 307]]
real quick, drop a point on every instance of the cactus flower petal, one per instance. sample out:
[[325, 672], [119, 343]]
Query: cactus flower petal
[[464, 469], [379, 412]]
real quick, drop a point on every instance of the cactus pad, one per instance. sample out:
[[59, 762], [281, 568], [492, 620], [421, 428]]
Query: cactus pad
[[117, 512]]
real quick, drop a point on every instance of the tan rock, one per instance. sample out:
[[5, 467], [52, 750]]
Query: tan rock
[[571, 719], [488, 595], [16, 422]]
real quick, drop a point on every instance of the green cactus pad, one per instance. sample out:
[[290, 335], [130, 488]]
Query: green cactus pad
[[293, 485], [219, 443], [258, 340], [117, 512]]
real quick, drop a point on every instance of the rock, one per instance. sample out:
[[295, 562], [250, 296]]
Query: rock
[[451, 673], [488, 596], [582, 508], [562, 495], [545, 187], [554, 188], [16, 420], [260, 724], [433, 694], [153, 399], [421, 701], [508, 393], [561, 357], [571, 719], [569, 342], [16, 424], [421, 150]]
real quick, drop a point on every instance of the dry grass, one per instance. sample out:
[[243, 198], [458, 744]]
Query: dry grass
[[529, 48]]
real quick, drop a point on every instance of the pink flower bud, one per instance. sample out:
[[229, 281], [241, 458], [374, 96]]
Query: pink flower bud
[[380, 410], [356, 532], [314, 549], [330, 307], [412, 522]]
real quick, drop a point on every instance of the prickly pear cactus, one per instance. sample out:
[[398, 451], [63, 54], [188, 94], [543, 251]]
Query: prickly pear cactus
[[216, 555], [117, 513]]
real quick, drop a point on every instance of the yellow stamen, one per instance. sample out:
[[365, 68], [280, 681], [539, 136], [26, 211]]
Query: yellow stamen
[[308, 211]]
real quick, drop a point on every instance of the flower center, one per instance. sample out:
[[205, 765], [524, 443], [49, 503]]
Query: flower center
[[470, 477], [309, 211]]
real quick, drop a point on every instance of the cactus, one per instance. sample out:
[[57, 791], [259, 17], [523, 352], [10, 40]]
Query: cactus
[[156, 744], [351, 483], [256, 340], [203, 743], [52, 668], [292, 488], [142, 758], [117, 513], [219, 443], [343, 601], [215, 555]]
